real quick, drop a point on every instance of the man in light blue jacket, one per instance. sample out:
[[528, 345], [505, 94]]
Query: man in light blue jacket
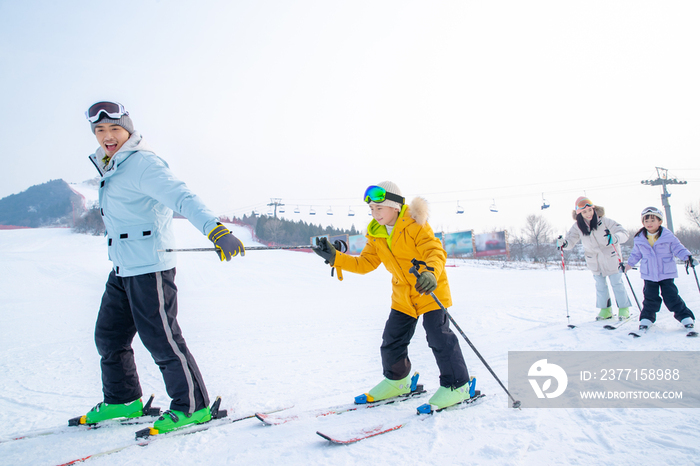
[[138, 194]]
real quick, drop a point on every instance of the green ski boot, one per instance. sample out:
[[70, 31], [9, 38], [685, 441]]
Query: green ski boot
[[389, 389], [447, 396], [605, 314], [173, 420], [623, 313], [103, 411]]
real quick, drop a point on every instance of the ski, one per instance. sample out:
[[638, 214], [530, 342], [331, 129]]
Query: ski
[[612, 323], [640, 332], [692, 334], [272, 420], [150, 414], [144, 440], [619, 323], [369, 432]]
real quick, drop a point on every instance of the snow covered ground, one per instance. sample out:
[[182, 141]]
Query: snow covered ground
[[274, 329]]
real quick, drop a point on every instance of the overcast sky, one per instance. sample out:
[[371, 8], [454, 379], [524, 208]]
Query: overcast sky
[[467, 103]]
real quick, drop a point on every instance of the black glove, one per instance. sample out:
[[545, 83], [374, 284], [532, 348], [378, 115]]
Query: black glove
[[325, 250], [561, 243], [612, 239], [426, 283], [227, 245], [621, 266], [690, 262]]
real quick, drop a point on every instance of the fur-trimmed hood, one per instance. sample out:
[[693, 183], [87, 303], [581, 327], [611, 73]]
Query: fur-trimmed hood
[[419, 210], [598, 210]]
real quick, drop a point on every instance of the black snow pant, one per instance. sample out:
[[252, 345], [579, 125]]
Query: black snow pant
[[399, 330], [671, 298], [146, 304]]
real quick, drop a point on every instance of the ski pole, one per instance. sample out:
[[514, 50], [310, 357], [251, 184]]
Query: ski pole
[[566, 293], [622, 267], [694, 272], [414, 270], [253, 248]]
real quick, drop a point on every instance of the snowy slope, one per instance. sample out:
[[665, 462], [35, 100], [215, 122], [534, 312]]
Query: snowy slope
[[273, 329]]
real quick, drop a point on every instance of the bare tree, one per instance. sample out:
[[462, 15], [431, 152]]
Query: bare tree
[[273, 229], [540, 234], [693, 213]]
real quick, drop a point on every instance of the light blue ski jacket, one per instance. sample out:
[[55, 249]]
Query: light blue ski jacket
[[657, 261], [138, 194]]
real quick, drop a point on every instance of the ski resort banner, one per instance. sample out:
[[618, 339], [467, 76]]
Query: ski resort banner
[[605, 379], [491, 244], [356, 244], [331, 238], [459, 244]]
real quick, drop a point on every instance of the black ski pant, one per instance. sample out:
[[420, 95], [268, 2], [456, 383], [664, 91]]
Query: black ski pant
[[399, 330], [146, 304], [671, 298]]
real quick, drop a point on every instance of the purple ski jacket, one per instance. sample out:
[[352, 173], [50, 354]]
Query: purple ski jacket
[[657, 262]]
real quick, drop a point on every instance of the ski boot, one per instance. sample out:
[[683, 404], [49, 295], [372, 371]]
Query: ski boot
[[173, 420], [103, 411], [644, 324], [388, 389], [688, 323], [623, 313], [448, 396], [605, 314]]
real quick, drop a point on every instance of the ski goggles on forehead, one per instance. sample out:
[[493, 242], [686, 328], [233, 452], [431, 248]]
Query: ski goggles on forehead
[[378, 194], [111, 109], [652, 211], [583, 203]]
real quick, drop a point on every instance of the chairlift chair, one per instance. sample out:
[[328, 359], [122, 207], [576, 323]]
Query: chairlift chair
[[312, 211], [493, 207], [329, 211], [545, 204], [296, 210], [351, 213], [460, 209]]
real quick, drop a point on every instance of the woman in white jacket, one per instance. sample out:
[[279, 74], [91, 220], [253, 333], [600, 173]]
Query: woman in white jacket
[[599, 235]]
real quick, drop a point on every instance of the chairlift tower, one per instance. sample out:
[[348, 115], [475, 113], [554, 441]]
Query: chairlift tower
[[276, 202], [663, 180]]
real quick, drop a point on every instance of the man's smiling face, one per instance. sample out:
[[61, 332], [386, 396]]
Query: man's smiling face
[[111, 137]]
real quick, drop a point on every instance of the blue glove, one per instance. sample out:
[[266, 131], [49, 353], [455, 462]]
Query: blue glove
[[612, 239], [227, 245]]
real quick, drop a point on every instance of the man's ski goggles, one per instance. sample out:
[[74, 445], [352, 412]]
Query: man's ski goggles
[[583, 203], [378, 194], [113, 110]]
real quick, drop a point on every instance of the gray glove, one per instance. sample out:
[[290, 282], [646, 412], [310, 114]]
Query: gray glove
[[227, 245]]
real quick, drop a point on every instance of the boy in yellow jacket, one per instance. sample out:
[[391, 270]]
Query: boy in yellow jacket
[[397, 234]]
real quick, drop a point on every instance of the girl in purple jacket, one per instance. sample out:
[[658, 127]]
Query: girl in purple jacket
[[656, 246]]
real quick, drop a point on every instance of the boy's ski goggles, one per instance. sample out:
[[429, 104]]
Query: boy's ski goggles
[[583, 203], [111, 109], [378, 194]]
